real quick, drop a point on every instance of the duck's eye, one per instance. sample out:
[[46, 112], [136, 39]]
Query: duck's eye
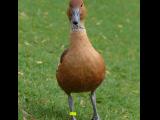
[[81, 4]]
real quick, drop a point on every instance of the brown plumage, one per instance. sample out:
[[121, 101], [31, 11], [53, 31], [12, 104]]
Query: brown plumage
[[81, 67]]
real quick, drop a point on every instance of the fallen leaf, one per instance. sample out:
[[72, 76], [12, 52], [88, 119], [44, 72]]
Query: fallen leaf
[[120, 26], [104, 37], [20, 73], [45, 13], [99, 22], [107, 72], [82, 103], [23, 14], [43, 41], [39, 62], [26, 43]]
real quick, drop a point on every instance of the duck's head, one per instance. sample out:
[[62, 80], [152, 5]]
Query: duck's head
[[76, 12]]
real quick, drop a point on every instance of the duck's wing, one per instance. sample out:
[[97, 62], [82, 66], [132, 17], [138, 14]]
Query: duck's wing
[[63, 54], [61, 58]]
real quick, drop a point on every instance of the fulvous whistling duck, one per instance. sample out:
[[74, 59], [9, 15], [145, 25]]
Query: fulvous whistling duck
[[81, 68]]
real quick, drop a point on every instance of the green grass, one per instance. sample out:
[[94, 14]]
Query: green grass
[[113, 28]]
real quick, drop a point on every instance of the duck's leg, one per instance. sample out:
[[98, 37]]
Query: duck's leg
[[71, 106], [93, 101]]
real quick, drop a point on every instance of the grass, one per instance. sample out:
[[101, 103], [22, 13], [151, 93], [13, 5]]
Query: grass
[[113, 28]]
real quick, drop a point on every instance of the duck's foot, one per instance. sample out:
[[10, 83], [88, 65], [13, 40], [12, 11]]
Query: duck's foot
[[96, 118], [73, 118]]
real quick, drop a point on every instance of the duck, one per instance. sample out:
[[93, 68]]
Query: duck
[[81, 67]]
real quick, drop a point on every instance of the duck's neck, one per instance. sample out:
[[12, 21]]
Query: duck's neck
[[78, 36], [78, 28]]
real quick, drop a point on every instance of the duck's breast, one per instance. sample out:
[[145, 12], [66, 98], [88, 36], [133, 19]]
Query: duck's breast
[[81, 70]]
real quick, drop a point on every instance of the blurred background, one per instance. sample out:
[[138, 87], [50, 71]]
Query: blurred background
[[43, 31]]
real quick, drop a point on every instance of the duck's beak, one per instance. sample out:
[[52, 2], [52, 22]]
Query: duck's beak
[[75, 16]]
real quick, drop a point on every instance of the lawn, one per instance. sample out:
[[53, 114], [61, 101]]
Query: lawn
[[43, 31]]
